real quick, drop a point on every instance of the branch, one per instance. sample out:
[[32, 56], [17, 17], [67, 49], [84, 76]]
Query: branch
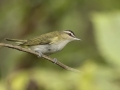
[[43, 56]]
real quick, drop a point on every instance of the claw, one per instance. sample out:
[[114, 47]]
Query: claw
[[55, 60], [40, 54]]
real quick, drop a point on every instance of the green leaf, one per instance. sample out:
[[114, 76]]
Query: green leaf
[[107, 35]]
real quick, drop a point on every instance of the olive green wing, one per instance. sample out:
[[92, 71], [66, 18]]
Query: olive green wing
[[42, 40]]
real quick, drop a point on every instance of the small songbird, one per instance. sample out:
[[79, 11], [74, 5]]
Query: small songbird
[[47, 43]]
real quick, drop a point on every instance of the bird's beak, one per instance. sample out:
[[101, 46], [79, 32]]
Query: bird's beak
[[77, 39]]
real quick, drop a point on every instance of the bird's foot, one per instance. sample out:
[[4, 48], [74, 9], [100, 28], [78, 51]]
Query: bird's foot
[[40, 54], [55, 60]]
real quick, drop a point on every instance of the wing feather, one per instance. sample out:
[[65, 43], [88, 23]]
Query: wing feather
[[41, 40]]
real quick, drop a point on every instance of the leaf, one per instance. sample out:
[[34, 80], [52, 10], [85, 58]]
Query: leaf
[[107, 35]]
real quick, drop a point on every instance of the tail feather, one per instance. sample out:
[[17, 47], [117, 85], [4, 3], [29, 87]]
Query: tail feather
[[16, 41]]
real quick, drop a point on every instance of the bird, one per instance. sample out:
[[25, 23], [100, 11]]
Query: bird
[[47, 43]]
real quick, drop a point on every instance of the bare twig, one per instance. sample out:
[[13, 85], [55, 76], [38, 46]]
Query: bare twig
[[43, 56]]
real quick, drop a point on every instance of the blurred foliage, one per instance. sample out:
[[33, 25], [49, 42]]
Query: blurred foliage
[[97, 23]]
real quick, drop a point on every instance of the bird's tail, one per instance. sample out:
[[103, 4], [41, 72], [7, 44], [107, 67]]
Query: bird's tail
[[16, 41]]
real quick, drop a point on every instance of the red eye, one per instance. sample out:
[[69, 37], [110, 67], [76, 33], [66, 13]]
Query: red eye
[[70, 34]]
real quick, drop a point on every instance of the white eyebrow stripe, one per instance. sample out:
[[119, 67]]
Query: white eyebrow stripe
[[67, 31], [70, 33]]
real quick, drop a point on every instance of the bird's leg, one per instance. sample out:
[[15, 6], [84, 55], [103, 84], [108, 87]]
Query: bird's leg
[[40, 54], [55, 60]]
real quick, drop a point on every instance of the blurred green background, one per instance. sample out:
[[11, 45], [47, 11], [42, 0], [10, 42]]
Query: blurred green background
[[97, 56]]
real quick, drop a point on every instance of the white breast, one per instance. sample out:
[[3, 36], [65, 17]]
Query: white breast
[[50, 48]]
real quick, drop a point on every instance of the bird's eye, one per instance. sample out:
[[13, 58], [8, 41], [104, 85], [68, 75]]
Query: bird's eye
[[70, 34]]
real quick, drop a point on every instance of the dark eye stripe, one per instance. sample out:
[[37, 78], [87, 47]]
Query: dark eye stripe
[[71, 32]]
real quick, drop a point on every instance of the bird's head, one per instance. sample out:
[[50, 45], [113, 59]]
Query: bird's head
[[69, 35]]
